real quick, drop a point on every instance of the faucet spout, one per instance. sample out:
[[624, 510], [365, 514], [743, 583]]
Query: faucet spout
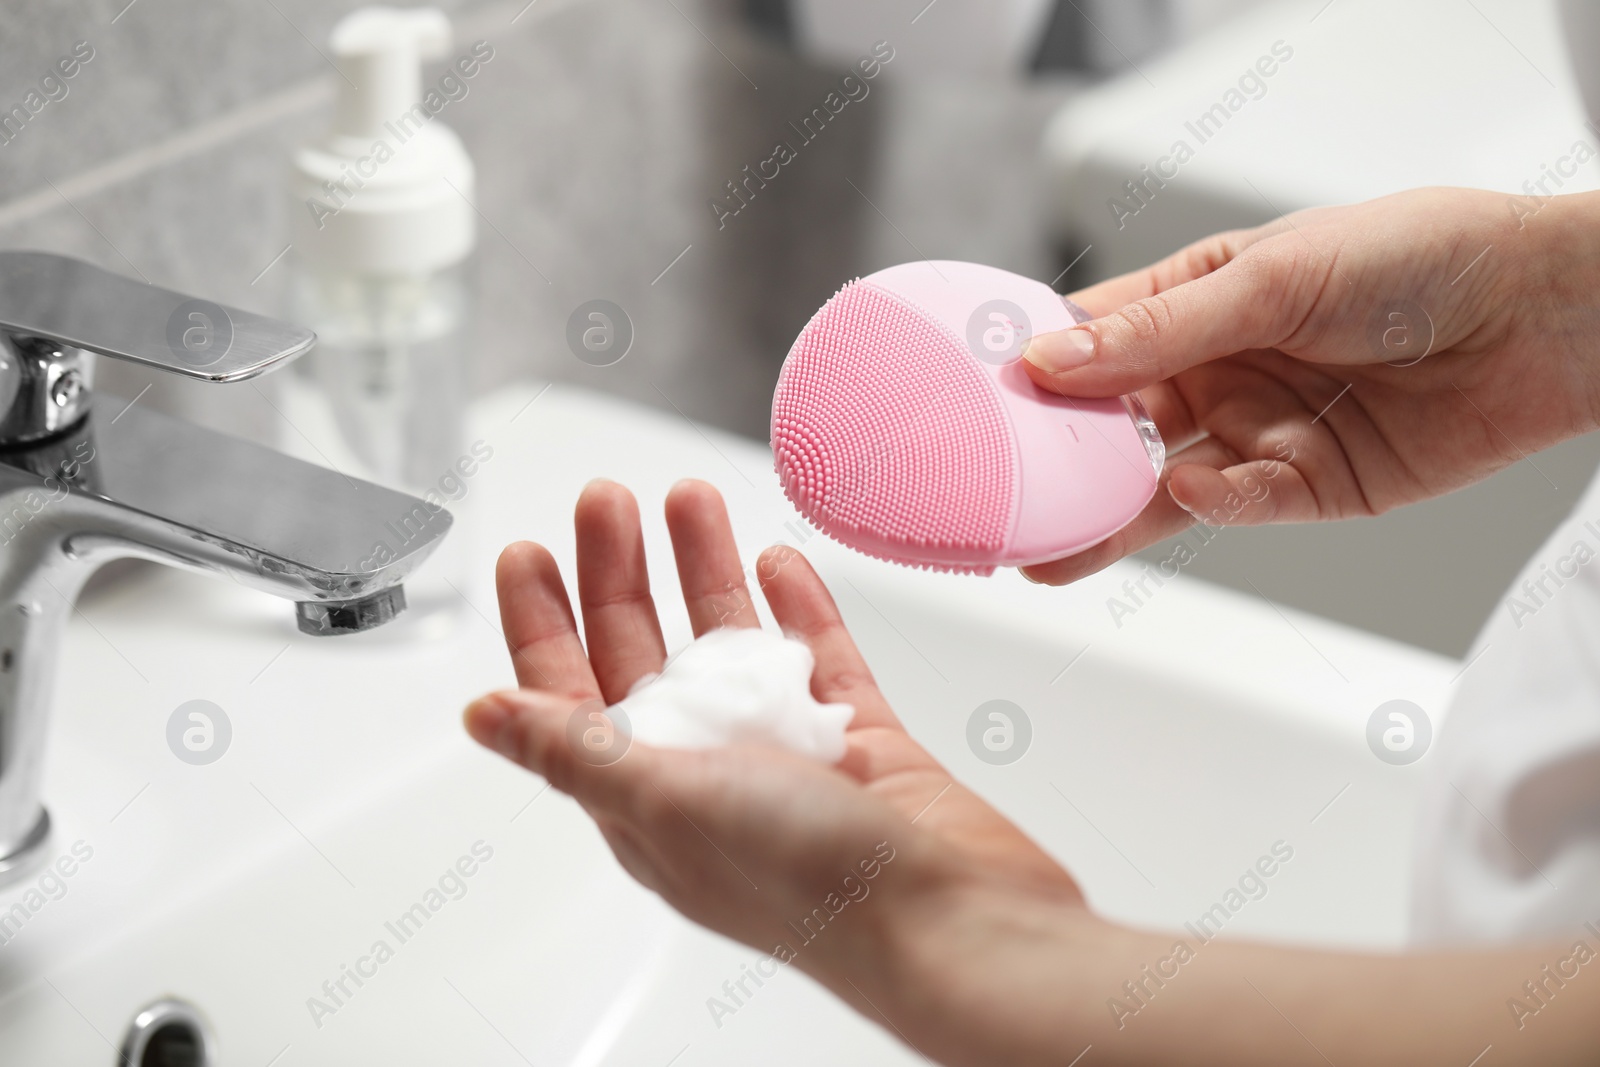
[[327, 618], [145, 484]]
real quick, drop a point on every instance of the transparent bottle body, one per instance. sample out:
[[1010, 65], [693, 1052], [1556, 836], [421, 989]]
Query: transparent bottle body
[[382, 397]]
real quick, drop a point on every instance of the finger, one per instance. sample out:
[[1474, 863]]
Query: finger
[[804, 609], [533, 729], [1254, 301], [1195, 261], [619, 615], [709, 570], [539, 627], [1248, 494], [1264, 407], [1162, 518]]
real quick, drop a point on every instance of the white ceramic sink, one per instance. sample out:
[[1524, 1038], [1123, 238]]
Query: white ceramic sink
[[1168, 754]]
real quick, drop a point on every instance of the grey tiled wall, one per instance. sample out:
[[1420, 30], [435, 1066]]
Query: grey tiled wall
[[601, 129]]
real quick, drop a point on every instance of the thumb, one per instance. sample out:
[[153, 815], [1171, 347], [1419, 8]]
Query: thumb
[[1237, 307]]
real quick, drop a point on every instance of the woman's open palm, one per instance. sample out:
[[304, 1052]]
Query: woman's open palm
[[744, 839]]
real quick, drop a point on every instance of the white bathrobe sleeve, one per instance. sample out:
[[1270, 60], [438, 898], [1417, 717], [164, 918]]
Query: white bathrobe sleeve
[[1508, 842]]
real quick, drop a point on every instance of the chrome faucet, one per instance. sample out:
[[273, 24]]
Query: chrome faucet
[[85, 479]]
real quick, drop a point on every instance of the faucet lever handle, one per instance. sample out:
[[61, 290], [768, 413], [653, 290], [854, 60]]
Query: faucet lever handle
[[74, 303]]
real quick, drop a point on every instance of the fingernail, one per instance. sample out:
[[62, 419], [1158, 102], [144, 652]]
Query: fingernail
[[1059, 351], [1029, 577], [490, 722]]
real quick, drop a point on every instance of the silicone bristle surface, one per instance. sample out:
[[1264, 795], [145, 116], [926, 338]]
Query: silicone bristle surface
[[890, 439]]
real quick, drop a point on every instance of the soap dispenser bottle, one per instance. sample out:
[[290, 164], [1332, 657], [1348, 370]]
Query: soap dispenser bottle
[[383, 229]]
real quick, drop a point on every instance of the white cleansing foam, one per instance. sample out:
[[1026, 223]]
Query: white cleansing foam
[[737, 685]]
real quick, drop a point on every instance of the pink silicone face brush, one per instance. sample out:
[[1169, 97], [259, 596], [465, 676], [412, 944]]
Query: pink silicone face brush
[[904, 426]]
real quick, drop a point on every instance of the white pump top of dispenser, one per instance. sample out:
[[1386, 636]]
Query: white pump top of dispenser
[[389, 189]]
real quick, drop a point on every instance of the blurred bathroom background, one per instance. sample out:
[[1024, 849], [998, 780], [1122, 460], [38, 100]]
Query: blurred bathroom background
[[603, 130]]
